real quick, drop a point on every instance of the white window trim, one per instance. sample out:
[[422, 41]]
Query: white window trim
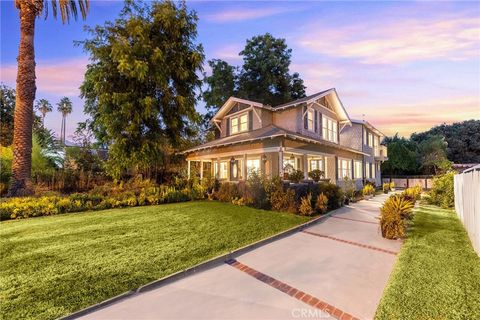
[[355, 162], [310, 121], [238, 116], [328, 130], [341, 169]]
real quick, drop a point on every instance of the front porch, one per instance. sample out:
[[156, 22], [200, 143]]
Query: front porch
[[276, 161]]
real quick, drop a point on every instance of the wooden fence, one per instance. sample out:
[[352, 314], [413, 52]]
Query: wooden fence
[[402, 182], [467, 203]]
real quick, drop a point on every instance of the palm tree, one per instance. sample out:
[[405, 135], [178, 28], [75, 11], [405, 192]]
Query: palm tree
[[65, 107], [43, 106], [23, 122]]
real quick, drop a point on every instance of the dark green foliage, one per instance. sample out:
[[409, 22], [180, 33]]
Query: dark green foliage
[[265, 73], [52, 266], [437, 274], [264, 76], [296, 176], [442, 193], [462, 138], [140, 87], [7, 108], [402, 156]]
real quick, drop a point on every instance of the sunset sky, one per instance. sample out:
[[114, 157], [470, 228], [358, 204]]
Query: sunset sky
[[405, 65]]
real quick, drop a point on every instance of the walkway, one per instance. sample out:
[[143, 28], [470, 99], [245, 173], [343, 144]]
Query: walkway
[[335, 269]]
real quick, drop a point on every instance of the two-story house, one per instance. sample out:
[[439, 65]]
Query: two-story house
[[311, 133]]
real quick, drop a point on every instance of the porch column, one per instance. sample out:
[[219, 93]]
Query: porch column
[[188, 168], [244, 170], [218, 169], [305, 166], [201, 169], [280, 163]]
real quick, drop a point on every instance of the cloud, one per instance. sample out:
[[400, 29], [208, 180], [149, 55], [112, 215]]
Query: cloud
[[229, 53], [62, 78], [396, 41], [243, 14], [419, 116]]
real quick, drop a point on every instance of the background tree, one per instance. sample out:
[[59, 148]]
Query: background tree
[[433, 154], [65, 108], [43, 106], [140, 87], [7, 109], [462, 138], [265, 73], [23, 120], [402, 156]]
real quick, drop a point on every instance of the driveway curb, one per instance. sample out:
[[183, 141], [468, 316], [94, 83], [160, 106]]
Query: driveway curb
[[219, 260]]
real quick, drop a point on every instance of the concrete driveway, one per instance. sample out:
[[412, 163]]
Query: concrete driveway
[[335, 269]]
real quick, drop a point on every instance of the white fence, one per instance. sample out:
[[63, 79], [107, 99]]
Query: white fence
[[402, 182], [467, 203]]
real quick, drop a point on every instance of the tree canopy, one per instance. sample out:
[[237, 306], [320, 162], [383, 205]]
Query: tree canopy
[[140, 87], [264, 76], [434, 150]]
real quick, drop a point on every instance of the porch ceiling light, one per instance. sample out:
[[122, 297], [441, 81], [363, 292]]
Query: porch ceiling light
[[232, 160], [292, 157], [264, 157]]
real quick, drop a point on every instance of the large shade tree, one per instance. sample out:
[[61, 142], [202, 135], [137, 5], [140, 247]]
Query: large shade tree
[[29, 10], [141, 85]]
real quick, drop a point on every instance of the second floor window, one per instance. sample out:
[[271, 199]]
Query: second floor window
[[239, 123], [329, 129], [310, 120], [370, 139]]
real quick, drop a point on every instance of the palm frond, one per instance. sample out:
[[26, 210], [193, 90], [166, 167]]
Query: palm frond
[[67, 9]]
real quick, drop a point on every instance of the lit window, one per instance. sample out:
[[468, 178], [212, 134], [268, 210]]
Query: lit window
[[239, 123], [253, 165], [370, 139], [310, 120], [243, 122], [234, 125], [223, 170], [344, 168], [316, 164], [367, 170], [357, 170], [289, 164], [329, 129]]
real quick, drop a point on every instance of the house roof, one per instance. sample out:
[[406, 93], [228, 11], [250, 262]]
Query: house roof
[[268, 132], [336, 104], [369, 126]]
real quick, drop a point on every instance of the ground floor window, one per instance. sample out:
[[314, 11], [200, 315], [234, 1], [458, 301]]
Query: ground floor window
[[344, 168], [316, 164], [357, 170], [253, 165], [223, 173], [289, 164], [368, 170], [373, 170]]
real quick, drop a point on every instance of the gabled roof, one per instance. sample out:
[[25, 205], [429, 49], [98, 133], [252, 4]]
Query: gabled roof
[[336, 103], [268, 132], [231, 101], [369, 126]]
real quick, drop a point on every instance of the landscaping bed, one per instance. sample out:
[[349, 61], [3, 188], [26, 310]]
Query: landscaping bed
[[437, 275], [53, 266]]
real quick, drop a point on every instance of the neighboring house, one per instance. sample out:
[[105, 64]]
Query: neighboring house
[[311, 133]]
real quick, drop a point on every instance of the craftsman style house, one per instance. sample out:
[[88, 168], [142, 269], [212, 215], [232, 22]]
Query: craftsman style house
[[311, 133]]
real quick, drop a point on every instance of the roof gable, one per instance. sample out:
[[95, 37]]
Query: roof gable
[[235, 103]]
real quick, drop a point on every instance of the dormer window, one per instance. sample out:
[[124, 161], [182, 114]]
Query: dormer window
[[239, 123]]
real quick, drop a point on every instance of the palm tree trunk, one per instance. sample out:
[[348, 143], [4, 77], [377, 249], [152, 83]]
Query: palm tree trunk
[[23, 122]]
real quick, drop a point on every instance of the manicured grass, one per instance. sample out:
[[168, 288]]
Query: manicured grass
[[52, 266], [437, 275]]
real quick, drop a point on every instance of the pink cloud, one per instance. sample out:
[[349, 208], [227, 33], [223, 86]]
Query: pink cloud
[[242, 14], [401, 41], [62, 78]]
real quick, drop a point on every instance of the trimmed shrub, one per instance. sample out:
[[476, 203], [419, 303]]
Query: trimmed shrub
[[386, 187], [281, 199], [368, 189], [442, 193], [227, 192], [334, 194]]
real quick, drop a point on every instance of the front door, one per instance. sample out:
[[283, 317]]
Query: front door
[[234, 170]]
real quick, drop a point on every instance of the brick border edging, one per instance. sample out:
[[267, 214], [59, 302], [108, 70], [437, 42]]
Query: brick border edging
[[219, 260]]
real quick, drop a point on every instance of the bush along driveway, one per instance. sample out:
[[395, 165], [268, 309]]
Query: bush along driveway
[[336, 268], [53, 266], [437, 275]]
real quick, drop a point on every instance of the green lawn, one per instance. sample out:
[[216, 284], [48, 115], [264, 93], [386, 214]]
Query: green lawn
[[437, 275], [52, 266]]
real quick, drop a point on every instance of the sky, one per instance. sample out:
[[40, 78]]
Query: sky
[[402, 66]]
